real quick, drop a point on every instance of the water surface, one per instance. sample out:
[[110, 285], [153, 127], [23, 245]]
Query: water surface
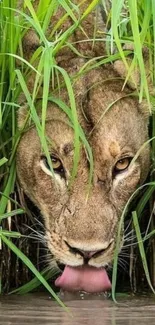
[[89, 310]]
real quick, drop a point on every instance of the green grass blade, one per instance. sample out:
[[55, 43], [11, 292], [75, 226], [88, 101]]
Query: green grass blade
[[29, 264], [151, 234], [10, 234], [144, 199], [69, 11], [34, 116], [67, 111], [46, 85], [138, 47], [20, 59], [74, 120], [3, 161], [89, 9], [33, 22], [35, 283], [12, 213], [8, 188], [116, 10], [141, 249], [153, 13], [117, 248]]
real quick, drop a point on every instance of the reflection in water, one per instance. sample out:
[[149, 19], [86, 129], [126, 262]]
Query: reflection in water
[[86, 310]]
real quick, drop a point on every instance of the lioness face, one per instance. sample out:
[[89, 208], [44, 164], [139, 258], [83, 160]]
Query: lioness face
[[81, 229]]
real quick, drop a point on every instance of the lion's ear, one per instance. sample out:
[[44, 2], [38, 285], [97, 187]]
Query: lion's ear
[[134, 79], [144, 109]]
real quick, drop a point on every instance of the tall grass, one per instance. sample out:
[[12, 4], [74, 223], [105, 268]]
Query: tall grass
[[128, 22], [133, 23], [14, 24]]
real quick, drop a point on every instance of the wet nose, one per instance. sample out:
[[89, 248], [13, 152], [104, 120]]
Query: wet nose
[[86, 254]]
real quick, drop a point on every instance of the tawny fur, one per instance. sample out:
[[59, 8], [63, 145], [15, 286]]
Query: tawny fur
[[115, 127]]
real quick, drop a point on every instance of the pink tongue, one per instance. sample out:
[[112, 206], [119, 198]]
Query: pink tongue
[[85, 278]]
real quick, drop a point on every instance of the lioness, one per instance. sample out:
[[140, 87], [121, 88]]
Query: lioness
[[81, 231]]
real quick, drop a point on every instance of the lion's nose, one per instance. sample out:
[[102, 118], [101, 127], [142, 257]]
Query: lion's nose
[[86, 254]]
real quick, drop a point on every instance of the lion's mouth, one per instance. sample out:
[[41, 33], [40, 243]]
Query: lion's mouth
[[84, 278]]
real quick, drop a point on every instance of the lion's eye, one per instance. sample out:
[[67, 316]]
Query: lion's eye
[[122, 165], [56, 164]]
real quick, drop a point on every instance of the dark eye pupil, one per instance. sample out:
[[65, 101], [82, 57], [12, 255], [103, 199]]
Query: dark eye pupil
[[121, 161]]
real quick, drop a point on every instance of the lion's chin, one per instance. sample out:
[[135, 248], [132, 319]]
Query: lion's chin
[[84, 278]]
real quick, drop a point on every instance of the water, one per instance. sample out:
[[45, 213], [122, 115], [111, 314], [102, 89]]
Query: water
[[85, 310]]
